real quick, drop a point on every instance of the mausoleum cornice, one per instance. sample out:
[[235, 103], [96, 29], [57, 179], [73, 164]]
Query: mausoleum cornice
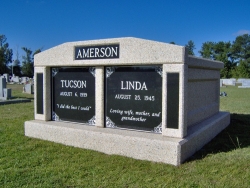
[[131, 50]]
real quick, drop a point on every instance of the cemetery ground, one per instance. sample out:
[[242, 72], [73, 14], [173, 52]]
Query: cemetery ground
[[29, 162]]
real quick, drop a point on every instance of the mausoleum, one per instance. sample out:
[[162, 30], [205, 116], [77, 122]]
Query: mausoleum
[[127, 96]]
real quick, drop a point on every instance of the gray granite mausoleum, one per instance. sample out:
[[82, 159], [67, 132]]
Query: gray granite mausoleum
[[127, 96]]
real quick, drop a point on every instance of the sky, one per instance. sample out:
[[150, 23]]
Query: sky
[[43, 24]]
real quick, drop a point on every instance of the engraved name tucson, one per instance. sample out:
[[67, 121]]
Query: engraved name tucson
[[97, 52]]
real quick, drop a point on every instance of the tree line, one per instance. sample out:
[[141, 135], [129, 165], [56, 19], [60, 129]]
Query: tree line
[[235, 56], [11, 66]]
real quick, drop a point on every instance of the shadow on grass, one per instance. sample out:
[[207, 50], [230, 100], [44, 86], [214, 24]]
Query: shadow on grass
[[31, 97], [235, 136]]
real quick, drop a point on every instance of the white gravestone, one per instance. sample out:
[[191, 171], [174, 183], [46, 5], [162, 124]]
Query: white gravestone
[[5, 93], [229, 82], [28, 88], [245, 83]]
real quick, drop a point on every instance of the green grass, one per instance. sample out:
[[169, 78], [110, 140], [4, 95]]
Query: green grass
[[238, 100], [28, 162]]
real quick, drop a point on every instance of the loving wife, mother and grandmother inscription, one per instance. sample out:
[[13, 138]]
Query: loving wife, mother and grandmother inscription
[[111, 95]]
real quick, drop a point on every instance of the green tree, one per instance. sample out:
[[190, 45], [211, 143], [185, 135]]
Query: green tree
[[242, 70], [190, 47], [207, 49], [5, 55], [241, 52], [28, 62], [220, 51], [241, 47]]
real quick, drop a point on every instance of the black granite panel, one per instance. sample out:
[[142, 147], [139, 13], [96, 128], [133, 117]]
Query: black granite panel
[[39, 93], [173, 100], [133, 97], [73, 94]]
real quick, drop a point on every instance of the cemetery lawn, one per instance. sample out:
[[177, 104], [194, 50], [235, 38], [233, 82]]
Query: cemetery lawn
[[29, 162]]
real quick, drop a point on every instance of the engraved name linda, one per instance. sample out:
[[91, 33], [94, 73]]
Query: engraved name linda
[[131, 85]]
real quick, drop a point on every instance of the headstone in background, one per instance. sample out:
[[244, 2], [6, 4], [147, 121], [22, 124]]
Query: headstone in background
[[229, 82], [7, 77], [24, 80], [240, 80], [5, 93], [16, 79], [28, 88], [245, 83], [2, 86]]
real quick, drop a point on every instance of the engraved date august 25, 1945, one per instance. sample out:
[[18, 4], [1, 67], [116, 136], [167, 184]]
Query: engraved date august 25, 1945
[[136, 97]]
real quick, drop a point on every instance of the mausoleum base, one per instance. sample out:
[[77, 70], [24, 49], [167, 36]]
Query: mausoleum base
[[134, 144]]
